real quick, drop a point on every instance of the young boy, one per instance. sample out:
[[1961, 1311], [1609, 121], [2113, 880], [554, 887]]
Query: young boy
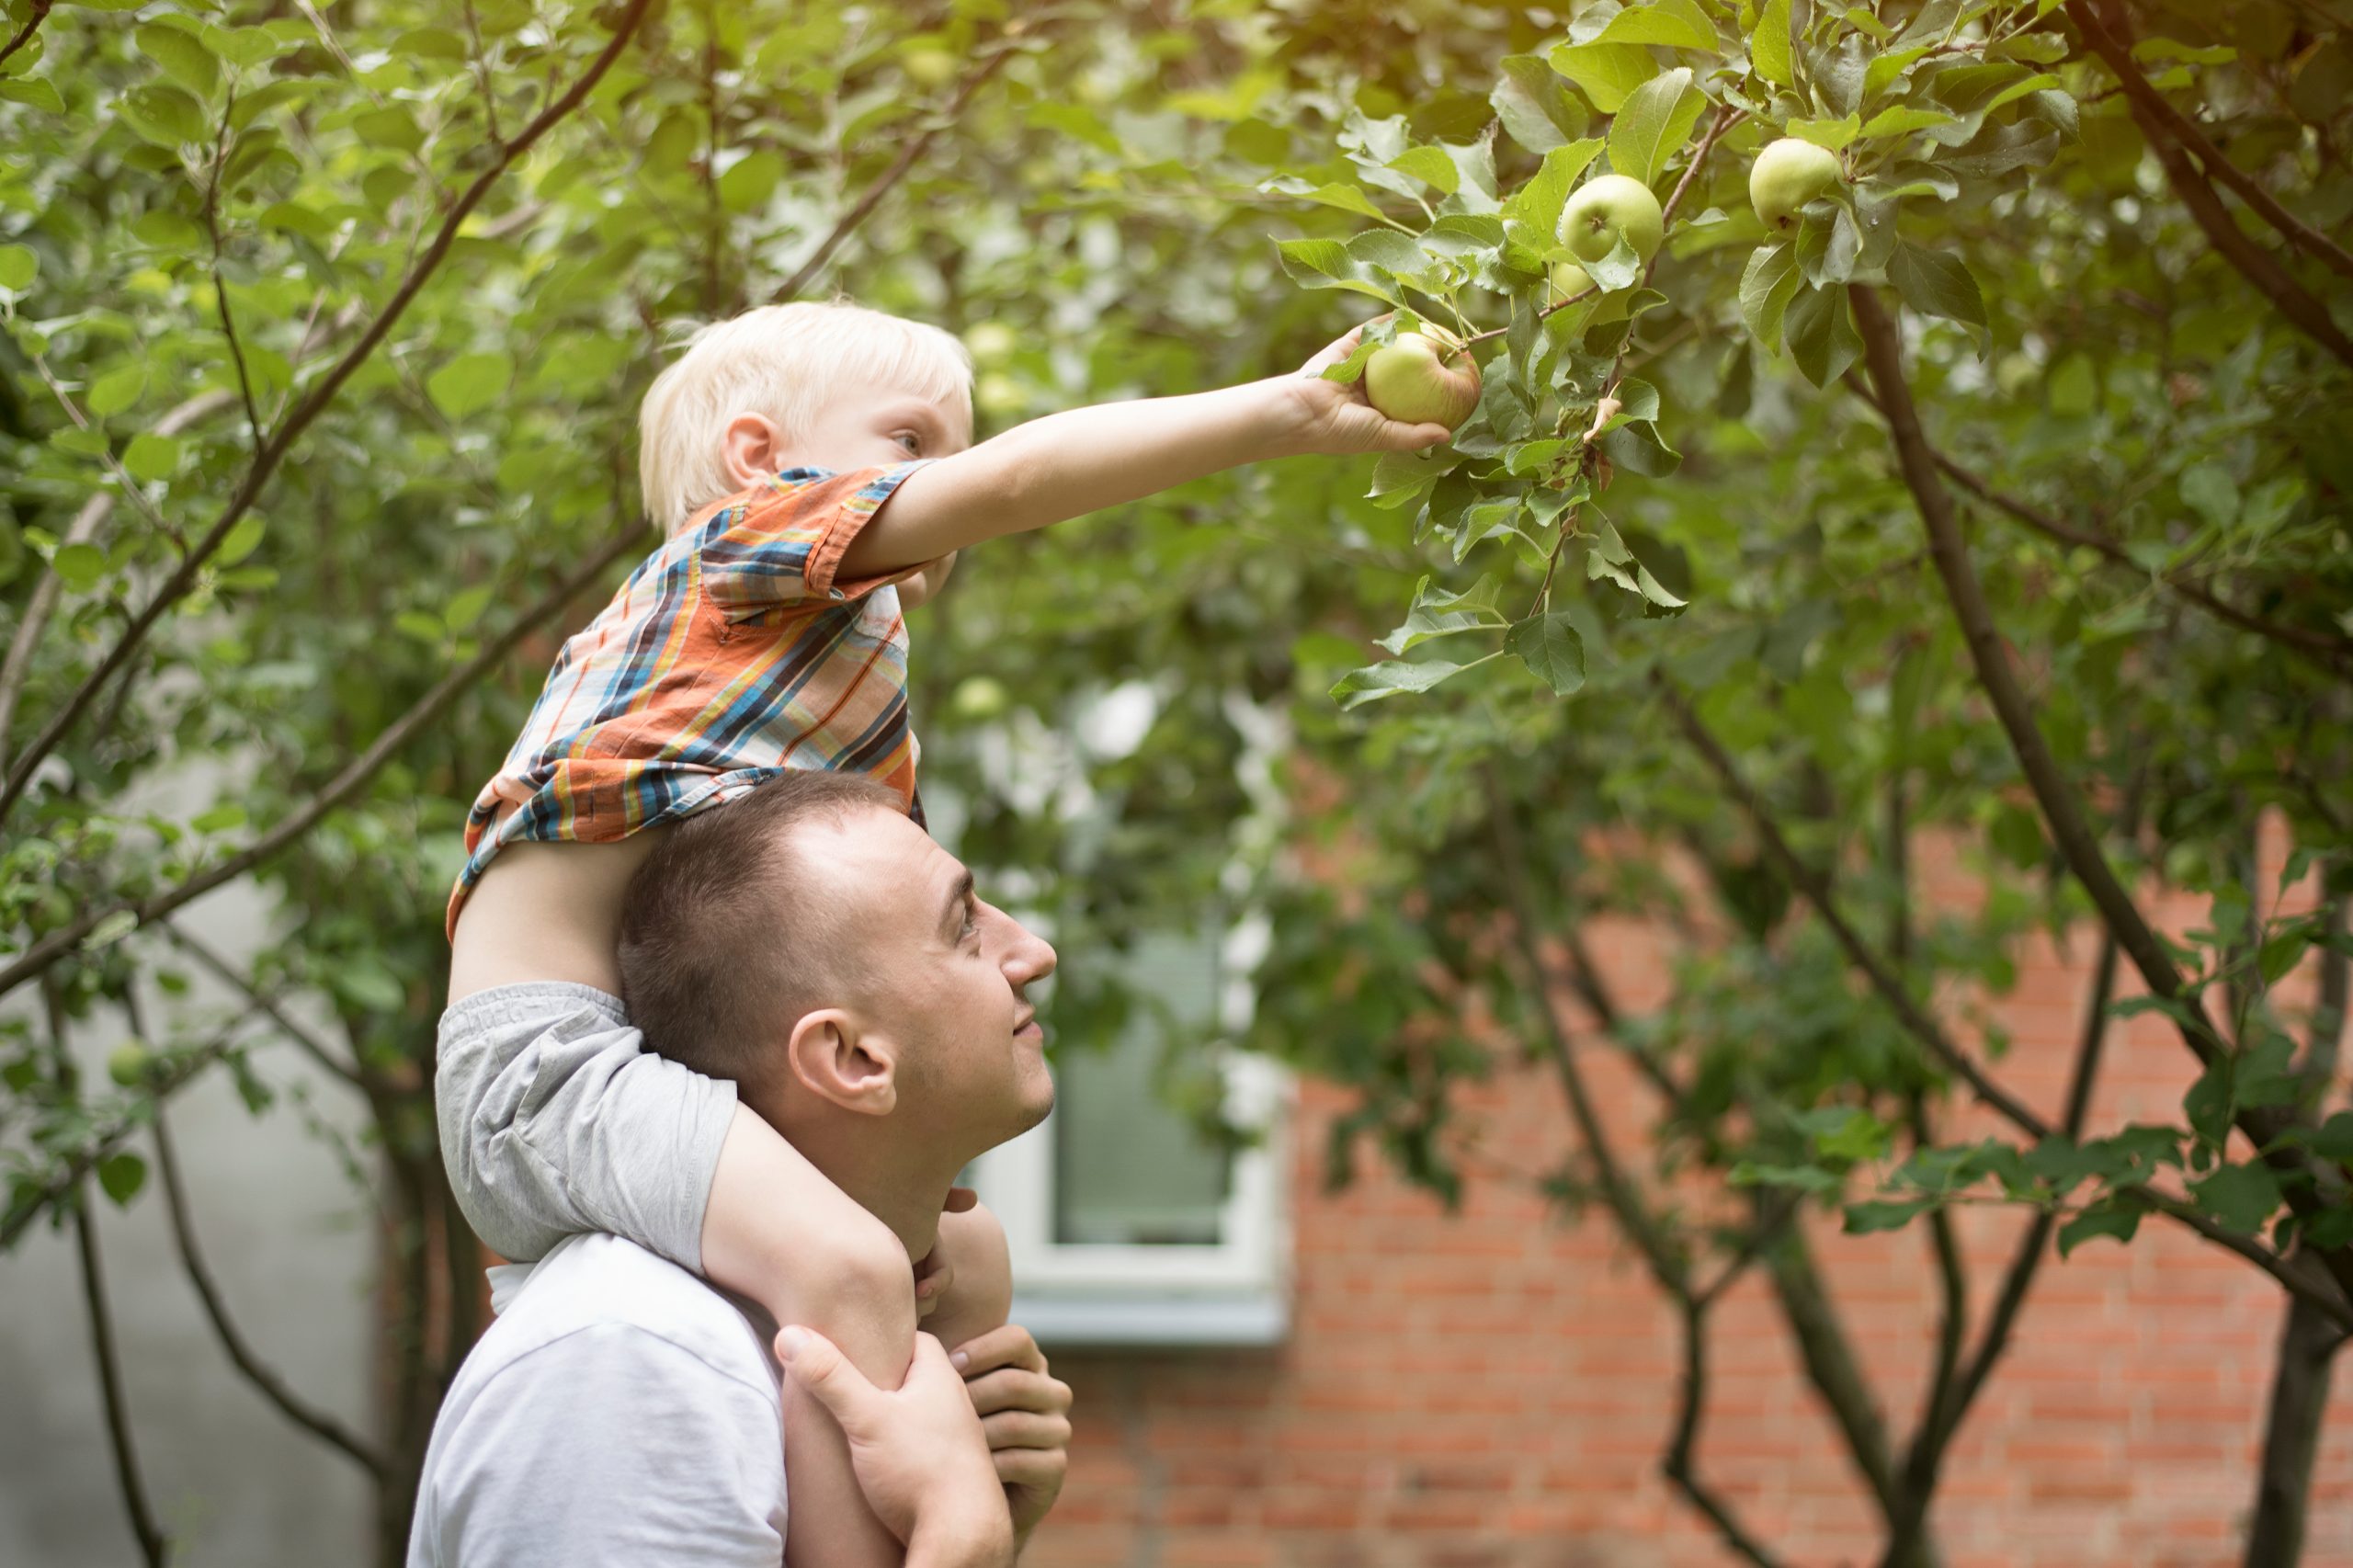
[[812, 468]]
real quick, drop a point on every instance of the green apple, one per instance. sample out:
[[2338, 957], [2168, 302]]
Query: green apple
[[1787, 176], [126, 1064], [1424, 377], [1570, 281], [1610, 206], [928, 66], [981, 697]]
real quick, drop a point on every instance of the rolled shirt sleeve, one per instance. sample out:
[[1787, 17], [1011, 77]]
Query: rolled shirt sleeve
[[781, 547]]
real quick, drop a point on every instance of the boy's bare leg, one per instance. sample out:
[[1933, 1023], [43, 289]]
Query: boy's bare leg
[[777, 1230]]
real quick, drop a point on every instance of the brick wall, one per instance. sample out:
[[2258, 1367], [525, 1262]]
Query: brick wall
[[1493, 1389]]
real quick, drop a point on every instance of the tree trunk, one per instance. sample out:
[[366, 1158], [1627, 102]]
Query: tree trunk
[[2308, 1343]]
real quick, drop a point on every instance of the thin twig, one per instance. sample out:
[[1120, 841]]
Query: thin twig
[[2333, 655], [305, 1038], [356, 773], [24, 35], [219, 283], [908, 153], [266, 460], [1677, 1466], [153, 1544], [271, 1386], [2186, 131]]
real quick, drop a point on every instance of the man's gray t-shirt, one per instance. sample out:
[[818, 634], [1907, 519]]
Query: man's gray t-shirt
[[619, 1411]]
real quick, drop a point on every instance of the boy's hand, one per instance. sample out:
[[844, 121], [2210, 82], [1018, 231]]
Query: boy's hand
[[1338, 420], [1026, 1415]]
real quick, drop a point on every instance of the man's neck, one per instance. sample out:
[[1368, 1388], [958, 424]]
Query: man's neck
[[907, 1196]]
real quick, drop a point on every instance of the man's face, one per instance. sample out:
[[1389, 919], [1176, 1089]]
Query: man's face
[[941, 973], [871, 426]]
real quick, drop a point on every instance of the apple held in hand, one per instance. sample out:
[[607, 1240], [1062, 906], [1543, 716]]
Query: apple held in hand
[[1607, 207], [1787, 176], [1424, 377]]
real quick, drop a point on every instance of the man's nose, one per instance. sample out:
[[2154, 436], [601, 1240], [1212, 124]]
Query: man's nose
[[1026, 955]]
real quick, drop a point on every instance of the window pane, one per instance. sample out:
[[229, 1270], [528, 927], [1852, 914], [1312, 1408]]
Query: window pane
[[1128, 1171]]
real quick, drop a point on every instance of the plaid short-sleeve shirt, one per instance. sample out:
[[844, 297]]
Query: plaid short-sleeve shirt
[[733, 654]]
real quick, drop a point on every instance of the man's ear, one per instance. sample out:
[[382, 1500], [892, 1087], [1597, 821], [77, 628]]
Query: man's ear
[[753, 445], [836, 1060]]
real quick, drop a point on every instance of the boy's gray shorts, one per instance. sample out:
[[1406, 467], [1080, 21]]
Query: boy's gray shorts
[[555, 1119]]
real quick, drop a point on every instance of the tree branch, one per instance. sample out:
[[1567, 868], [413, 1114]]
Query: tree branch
[[18, 668], [1816, 891], [2332, 654], [268, 459], [908, 153], [2185, 130], [153, 1544], [1677, 1464], [310, 1044], [24, 35], [356, 773], [273, 1388], [1883, 351], [1810, 882]]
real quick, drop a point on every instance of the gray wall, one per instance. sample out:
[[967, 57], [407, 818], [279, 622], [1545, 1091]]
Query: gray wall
[[291, 1244]]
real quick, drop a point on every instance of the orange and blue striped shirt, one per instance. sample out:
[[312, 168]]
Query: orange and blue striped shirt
[[731, 655]]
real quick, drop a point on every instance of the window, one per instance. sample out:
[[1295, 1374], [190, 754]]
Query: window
[[1128, 1225]]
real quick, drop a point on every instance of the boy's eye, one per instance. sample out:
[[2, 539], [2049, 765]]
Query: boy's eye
[[914, 442]]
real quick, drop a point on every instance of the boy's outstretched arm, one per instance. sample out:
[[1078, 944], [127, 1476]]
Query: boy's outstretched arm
[[1066, 465]]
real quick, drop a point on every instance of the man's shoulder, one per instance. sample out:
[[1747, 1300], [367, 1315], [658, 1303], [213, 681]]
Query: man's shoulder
[[626, 1296]]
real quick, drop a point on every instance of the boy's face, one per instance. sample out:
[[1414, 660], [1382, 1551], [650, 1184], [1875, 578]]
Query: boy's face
[[862, 426]]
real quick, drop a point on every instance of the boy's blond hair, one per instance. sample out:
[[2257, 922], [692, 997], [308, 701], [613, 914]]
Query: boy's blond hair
[[782, 362]]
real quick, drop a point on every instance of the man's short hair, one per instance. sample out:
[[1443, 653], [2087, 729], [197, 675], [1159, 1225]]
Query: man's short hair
[[730, 932], [782, 362]]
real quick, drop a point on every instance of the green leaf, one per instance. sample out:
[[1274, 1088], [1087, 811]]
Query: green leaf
[[1937, 283], [1902, 120], [2116, 1216], [2239, 1198], [1431, 166], [19, 267], [1347, 198], [1656, 119], [120, 1176], [184, 57], [1438, 613], [1821, 334], [220, 819], [1370, 684], [163, 115], [111, 930], [1835, 134], [37, 92], [751, 182], [466, 605], [1767, 285], [79, 566], [1678, 24], [1551, 649], [1864, 1218], [241, 540], [393, 125], [2208, 489], [151, 457], [1327, 264], [1768, 46], [1637, 447], [470, 381], [1607, 72], [1536, 112], [118, 390]]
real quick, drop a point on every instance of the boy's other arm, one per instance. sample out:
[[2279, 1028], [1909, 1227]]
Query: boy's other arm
[[1084, 460]]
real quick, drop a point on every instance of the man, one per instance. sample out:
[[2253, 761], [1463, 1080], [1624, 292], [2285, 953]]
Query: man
[[811, 944]]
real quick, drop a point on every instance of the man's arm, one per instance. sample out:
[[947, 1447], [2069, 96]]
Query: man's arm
[[1066, 465]]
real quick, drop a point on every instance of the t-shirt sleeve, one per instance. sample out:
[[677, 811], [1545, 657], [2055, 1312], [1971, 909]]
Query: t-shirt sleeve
[[610, 1448], [782, 546]]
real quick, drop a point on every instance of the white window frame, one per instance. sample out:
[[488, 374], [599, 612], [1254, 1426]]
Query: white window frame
[[1235, 1292]]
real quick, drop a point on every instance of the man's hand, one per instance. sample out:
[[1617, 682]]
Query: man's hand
[[1337, 419], [921, 1454], [1026, 1415]]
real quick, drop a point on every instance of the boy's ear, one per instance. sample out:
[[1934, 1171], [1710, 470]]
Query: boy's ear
[[753, 444], [836, 1060]]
